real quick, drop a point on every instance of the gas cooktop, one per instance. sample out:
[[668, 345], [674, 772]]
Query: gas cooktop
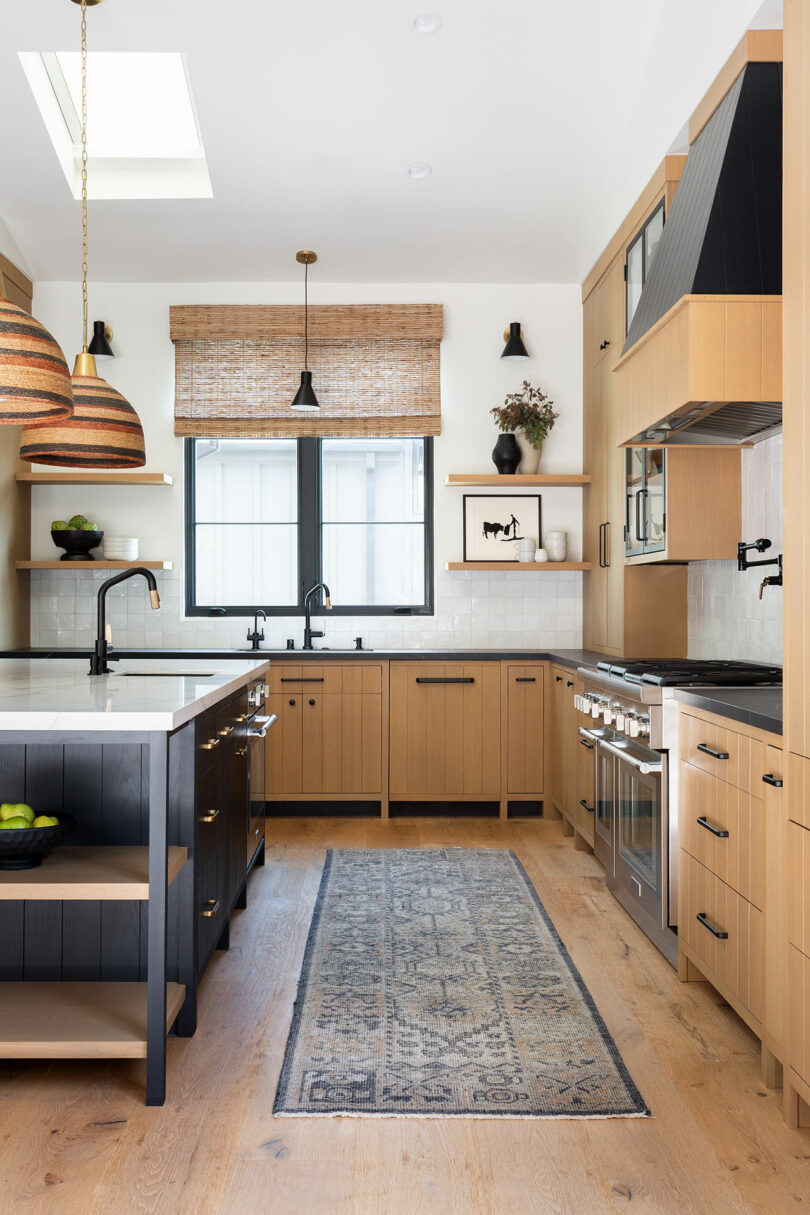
[[694, 672]]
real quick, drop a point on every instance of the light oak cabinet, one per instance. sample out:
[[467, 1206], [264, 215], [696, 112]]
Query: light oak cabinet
[[571, 763], [523, 690]]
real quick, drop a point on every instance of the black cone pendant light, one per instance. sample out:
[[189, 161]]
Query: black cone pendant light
[[514, 351], [305, 400]]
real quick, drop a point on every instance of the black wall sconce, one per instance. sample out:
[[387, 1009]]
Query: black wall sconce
[[100, 341], [514, 351]]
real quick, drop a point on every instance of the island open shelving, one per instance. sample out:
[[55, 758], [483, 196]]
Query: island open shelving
[[101, 872]]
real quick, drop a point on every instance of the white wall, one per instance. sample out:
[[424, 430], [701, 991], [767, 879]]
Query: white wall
[[478, 609], [727, 619]]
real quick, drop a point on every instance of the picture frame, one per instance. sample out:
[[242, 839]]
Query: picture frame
[[493, 522]]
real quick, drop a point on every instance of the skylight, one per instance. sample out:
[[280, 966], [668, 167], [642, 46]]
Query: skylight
[[142, 135]]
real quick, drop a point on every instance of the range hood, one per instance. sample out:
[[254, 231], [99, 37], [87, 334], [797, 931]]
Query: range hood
[[712, 293]]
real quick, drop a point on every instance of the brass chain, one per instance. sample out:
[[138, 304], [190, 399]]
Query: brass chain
[[84, 173]]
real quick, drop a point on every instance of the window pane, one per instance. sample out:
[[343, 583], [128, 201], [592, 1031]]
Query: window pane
[[377, 563], [373, 480], [652, 234], [246, 480], [245, 565]]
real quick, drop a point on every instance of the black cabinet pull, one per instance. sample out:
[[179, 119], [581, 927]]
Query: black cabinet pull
[[604, 345], [306, 679], [704, 822], [606, 563], [558, 678], [292, 702], [590, 809], [704, 920], [569, 683], [714, 754], [770, 779], [601, 546], [525, 679], [312, 702], [588, 746], [445, 679], [639, 536]]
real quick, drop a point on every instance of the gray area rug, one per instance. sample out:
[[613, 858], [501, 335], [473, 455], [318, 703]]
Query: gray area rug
[[434, 984]]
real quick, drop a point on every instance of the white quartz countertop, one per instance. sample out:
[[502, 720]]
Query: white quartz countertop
[[38, 694]]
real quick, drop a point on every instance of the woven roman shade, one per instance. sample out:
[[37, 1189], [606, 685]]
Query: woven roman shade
[[375, 369]]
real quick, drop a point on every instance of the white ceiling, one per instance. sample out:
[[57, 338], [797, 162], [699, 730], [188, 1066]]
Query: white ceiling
[[542, 120]]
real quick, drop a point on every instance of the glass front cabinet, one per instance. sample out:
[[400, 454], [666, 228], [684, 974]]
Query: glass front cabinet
[[645, 514]]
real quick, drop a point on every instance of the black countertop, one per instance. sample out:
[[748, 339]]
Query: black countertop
[[567, 658], [760, 707]]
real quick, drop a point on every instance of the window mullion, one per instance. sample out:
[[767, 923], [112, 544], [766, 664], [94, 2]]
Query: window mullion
[[309, 515]]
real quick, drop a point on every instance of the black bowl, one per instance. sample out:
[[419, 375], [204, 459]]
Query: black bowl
[[24, 847], [76, 543]]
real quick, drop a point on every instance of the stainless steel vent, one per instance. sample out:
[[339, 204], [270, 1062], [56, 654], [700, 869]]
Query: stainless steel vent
[[733, 422]]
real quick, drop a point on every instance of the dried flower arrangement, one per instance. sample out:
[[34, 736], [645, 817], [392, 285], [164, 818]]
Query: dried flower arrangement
[[529, 410]]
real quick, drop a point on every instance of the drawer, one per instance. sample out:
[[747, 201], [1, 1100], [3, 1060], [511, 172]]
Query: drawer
[[799, 1012], [732, 757], [735, 959], [709, 806], [798, 887], [325, 677]]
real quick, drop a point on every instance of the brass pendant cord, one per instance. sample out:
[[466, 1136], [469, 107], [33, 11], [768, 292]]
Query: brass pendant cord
[[84, 176], [306, 318]]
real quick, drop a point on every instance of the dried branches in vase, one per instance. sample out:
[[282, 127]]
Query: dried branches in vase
[[528, 415]]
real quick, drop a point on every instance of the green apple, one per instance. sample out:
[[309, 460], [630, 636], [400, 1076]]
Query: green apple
[[59, 525], [15, 824], [17, 810], [45, 820], [77, 521]]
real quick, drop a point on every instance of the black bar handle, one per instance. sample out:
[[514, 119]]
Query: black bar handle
[[601, 546], [305, 679], [639, 536], [445, 679], [590, 809], [525, 679], [770, 779], [607, 550], [587, 745], [704, 920], [704, 822], [714, 754]]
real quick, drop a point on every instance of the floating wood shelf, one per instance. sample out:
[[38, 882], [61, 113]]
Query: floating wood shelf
[[91, 565], [96, 478], [88, 873], [544, 567], [78, 1020], [518, 480]]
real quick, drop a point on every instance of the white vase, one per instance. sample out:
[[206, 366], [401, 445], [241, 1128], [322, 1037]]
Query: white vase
[[556, 545], [529, 456]]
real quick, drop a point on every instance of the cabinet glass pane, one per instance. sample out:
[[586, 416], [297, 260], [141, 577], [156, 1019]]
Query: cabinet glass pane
[[654, 499], [635, 276], [652, 235], [634, 487]]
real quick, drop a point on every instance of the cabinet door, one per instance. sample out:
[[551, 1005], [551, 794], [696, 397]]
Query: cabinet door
[[284, 745], [633, 505], [523, 749], [559, 723], [341, 743], [445, 731], [654, 510]]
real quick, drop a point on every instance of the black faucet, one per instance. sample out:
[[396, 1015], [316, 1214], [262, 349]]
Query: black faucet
[[98, 660], [255, 637], [309, 633]]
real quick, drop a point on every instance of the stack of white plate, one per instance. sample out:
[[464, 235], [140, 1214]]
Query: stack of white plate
[[120, 548]]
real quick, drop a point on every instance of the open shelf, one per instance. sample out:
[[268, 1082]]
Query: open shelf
[[78, 1020], [88, 873], [543, 567], [95, 478], [91, 565], [516, 480]]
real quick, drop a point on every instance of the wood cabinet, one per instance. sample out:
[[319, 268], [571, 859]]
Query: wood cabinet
[[570, 762], [328, 739], [445, 724], [523, 754]]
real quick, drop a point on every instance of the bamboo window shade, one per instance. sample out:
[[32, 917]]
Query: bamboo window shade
[[375, 369]]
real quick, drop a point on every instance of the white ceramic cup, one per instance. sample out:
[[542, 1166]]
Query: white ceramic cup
[[557, 545], [540, 556]]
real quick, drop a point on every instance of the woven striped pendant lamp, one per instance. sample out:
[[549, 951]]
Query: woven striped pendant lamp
[[34, 378], [104, 430]]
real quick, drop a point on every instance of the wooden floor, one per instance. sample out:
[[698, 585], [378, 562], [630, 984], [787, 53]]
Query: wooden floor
[[76, 1137]]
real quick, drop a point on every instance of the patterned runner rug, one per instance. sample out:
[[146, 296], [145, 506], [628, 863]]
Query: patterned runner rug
[[434, 984]]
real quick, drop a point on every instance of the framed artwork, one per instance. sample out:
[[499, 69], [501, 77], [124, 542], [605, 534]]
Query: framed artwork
[[493, 523]]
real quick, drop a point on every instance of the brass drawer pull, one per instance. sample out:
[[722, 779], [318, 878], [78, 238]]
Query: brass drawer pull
[[210, 817], [240, 718], [211, 908], [209, 746], [704, 822], [714, 754], [770, 779], [704, 920], [225, 731], [240, 751]]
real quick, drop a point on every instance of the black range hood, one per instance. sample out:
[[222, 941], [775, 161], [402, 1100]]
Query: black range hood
[[723, 235]]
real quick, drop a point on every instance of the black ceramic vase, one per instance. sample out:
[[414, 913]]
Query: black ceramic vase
[[506, 454]]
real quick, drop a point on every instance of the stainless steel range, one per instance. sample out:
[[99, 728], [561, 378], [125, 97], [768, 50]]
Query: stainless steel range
[[630, 720]]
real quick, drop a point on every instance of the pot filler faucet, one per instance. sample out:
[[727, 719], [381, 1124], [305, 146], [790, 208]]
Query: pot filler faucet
[[98, 660], [309, 633], [743, 562]]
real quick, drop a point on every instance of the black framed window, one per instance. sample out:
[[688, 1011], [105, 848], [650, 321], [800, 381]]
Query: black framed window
[[639, 258], [268, 518]]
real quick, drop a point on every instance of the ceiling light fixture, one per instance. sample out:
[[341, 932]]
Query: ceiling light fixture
[[427, 23], [514, 351], [104, 430], [419, 171], [305, 400]]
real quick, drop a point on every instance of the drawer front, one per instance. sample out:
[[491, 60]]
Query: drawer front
[[732, 757], [709, 806], [799, 1012], [737, 958], [326, 677], [584, 793], [798, 887]]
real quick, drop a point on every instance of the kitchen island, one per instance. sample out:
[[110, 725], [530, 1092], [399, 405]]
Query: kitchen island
[[104, 944]]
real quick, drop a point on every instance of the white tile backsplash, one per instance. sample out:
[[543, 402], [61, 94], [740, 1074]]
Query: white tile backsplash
[[727, 619], [474, 609]]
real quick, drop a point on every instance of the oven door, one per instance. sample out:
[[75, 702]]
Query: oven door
[[640, 844], [604, 797], [257, 732]]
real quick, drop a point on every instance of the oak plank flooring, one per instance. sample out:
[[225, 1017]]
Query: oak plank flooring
[[76, 1137]]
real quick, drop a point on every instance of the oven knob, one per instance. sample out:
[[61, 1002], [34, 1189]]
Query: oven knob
[[585, 704], [644, 727], [621, 718], [632, 725], [596, 709], [608, 714]]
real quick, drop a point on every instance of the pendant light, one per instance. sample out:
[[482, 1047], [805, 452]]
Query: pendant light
[[514, 351], [305, 400], [104, 430], [34, 378]]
